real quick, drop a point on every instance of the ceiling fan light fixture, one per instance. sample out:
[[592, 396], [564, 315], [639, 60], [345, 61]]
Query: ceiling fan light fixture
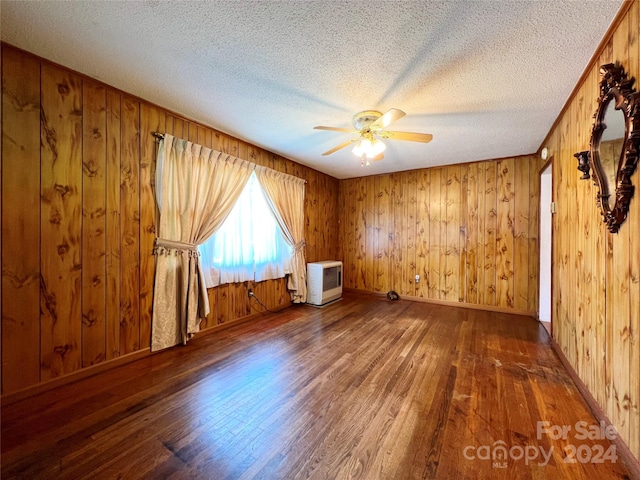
[[359, 149], [369, 148], [370, 125], [377, 147]]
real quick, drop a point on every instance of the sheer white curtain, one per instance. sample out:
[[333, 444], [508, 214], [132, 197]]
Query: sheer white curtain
[[249, 245], [285, 196], [196, 188]]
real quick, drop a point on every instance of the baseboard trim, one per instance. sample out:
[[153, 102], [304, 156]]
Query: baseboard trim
[[472, 306], [622, 449], [239, 321], [39, 388]]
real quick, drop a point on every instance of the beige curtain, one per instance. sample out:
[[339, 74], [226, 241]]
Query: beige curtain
[[196, 188], [285, 196]]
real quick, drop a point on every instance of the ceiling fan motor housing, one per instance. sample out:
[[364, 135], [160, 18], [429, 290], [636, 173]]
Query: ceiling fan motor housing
[[364, 119]]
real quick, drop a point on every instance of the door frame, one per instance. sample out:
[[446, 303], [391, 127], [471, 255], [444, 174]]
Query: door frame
[[546, 170]]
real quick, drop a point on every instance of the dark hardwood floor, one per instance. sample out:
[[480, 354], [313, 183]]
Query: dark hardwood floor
[[364, 388]]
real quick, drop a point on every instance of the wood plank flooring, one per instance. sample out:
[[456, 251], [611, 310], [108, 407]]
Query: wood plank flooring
[[364, 388]]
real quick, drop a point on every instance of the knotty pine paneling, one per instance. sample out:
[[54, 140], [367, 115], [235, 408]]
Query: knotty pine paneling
[[130, 226], [60, 222], [505, 234], [465, 229], [20, 220], [94, 209], [453, 226], [489, 221], [79, 220], [113, 226], [472, 233], [434, 246], [152, 119], [596, 274], [423, 180]]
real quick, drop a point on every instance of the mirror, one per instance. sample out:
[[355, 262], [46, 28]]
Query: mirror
[[614, 146], [610, 150]]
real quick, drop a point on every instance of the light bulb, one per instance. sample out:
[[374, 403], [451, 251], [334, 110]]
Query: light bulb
[[358, 150], [369, 147], [377, 147]]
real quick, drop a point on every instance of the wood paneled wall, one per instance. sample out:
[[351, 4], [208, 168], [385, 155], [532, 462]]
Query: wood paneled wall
[[596, 274], [470, 231], [79, 220]]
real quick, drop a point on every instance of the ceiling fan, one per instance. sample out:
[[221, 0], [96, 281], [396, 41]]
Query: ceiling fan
[[370, 125]]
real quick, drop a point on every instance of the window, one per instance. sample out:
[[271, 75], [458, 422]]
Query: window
[[249, 245]]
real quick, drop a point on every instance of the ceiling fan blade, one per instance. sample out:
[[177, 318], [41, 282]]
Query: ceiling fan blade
[[380, 156], [336, 129], [410, 136], [387, 119], [342, 145]]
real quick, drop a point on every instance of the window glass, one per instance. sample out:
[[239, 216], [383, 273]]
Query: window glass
[[249, 245]]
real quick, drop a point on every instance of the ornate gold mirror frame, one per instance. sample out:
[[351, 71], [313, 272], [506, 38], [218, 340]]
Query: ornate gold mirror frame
[[613, 157]]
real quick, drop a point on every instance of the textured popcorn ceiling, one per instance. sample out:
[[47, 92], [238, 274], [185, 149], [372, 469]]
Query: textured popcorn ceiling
[[486, 78]]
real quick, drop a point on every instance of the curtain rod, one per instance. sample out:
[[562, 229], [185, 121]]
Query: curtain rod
[[160, 136]]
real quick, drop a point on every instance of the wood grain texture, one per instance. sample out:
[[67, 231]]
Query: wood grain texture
[[453, 224], [61, 222], [349, 216], [505, 233], [365, 388], [312, 228], [94, 214], [114, 226], [130, 227], [534, 245], [621, 287], [383, 205], [370, 219], [446, 225], [634, 259], [20, 221], [521, 251], [423, 184], [435, 247], [152, 119], [473, 233], [490, 228], [442, 260], [360, 232], [462, 234], [84, 215], [596, 299], [408, 183], [399, 234]]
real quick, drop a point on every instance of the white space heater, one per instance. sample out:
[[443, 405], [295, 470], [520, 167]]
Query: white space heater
[[324, 282]]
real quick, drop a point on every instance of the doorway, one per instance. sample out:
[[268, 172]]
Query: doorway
[[546, 206]]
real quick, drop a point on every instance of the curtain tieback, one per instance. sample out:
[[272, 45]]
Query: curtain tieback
[[169, 247], [299, 246]]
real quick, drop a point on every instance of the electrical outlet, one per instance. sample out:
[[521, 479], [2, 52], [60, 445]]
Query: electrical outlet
[[250, 293], [417, 278]]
